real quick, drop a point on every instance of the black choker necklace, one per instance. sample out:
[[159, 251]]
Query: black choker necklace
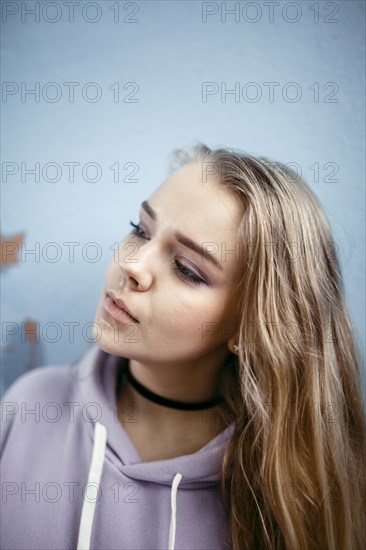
[[165, 401]]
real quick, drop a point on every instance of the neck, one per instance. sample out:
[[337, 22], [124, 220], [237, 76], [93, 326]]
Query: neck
[[168, 402], [183, 385]]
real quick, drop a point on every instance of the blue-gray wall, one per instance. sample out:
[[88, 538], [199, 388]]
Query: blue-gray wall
[[162, 72]]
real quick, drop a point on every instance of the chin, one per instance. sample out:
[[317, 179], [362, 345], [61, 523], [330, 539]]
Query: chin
[[106, 340]]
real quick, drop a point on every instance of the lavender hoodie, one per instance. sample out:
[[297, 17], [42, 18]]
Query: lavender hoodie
[[72, 479]]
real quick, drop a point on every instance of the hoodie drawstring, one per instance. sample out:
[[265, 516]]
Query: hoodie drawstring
[[95, 473], [173, 498]]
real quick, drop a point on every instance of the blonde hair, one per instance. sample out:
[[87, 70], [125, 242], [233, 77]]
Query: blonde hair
[[293, 475]]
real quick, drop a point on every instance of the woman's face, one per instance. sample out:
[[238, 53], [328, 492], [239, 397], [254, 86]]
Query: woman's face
[[185, 304]]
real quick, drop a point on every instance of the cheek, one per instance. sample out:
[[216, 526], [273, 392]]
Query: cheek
[[215, 327], [184, 304], [193, 318]]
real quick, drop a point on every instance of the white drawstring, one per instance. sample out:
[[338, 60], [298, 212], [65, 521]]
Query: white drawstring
[[95, 473], [176, 481]]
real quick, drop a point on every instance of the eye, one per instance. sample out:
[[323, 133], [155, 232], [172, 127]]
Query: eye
[[137, 230], [182, 271]]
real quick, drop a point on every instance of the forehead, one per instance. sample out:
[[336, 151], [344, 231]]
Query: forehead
[[203, 210], [188, 200]]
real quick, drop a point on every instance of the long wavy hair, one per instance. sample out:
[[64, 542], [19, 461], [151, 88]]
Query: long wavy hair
[[293, 475]]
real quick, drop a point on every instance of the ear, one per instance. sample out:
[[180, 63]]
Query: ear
[[232, 344]]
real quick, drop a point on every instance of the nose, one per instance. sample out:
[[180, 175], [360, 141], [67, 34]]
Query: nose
[[136, 272]]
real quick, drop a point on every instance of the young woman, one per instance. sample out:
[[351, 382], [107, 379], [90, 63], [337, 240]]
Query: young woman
[[220, 406]]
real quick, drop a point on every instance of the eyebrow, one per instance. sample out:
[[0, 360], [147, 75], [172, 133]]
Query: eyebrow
[[183, 239]]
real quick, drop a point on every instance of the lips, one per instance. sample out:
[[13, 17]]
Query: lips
[[120, 303]]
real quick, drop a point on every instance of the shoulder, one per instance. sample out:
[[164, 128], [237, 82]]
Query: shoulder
[[40, 398], [40, 384], [53, 382], [24, 402]]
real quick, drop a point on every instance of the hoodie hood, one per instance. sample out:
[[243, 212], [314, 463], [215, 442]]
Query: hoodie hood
[[96, 375]]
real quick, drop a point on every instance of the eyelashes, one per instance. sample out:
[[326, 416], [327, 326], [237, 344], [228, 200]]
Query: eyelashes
[[182, 271], [138, 231]]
